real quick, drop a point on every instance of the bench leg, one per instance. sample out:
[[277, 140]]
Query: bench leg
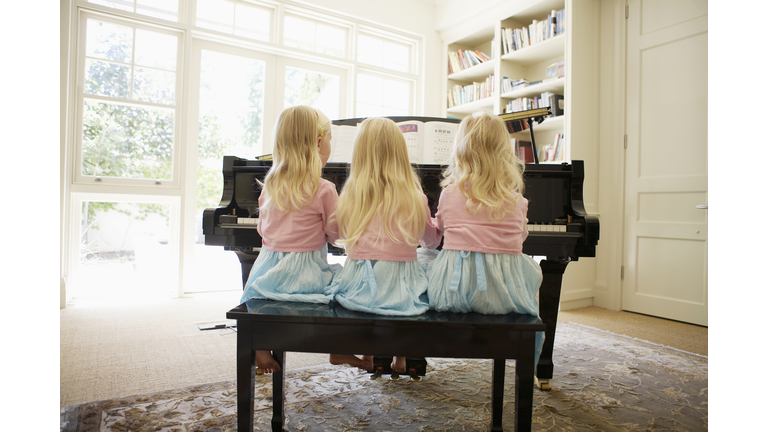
[[278, 393], [497, 394], [246, 377], [524, 382]]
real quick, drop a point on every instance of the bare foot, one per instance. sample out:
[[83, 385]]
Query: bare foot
[[266, 362], [341, 359], [398, 364]]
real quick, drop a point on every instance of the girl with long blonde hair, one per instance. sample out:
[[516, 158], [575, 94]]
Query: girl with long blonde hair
[[383, 216], [295, 208], [482, 216]]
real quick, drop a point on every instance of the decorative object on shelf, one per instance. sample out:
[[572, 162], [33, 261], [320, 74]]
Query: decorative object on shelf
[[556, 70]]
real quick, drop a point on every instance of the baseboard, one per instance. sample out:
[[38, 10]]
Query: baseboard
[[575, 304]]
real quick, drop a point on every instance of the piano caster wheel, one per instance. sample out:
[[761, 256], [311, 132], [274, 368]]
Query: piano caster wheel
[[414, 375], [259, 371], [543, 384], [377, 373], [395, 376]]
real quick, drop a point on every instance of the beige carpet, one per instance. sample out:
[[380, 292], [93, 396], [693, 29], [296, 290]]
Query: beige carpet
[[604, 382], [117, 349]]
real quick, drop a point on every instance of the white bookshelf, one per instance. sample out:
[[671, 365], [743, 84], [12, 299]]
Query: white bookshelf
[[576, 47]]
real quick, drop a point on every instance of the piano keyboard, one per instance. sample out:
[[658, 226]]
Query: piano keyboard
[[547, 228], [231, 221]]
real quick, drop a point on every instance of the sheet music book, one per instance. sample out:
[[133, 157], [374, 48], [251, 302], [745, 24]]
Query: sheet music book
[[428, 142], [342, 142]]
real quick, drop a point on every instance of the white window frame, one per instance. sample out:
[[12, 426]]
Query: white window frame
[[79, 177]]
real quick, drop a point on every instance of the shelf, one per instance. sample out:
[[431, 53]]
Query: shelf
[[471, 107], [533, 54], [555, 85], [478, 71]]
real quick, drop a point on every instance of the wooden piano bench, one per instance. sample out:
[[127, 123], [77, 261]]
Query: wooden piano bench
[[303, 327]]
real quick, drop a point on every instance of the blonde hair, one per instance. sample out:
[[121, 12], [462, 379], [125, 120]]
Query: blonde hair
[[483, 165], [381, 184], [294, 177]]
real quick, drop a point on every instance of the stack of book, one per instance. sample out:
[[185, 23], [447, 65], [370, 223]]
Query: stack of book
[[507, 85], [537, 31], [460, 95], [465, 59], [554, 151]]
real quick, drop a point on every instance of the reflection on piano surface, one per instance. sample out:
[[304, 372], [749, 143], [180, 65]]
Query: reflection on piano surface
[[560, 230]]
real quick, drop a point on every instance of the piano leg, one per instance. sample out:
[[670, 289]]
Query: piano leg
[[246, 263], [549, 303]]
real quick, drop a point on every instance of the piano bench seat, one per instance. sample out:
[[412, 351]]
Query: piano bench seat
[[304, 327]]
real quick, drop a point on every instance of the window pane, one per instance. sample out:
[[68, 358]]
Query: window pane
[[391, 97], [318, 90], [396, 57], [215, 15], [384, 53], [109, 41], [126, 5], [152, 85], [252, 22], [157, 50], [163, 9], [331, 41], [231, 118], [370, 89], [124, 250], [397, 94], [368, 110], [127, 141], [107, 79], [308, 35], [369, 50], [298, 33]]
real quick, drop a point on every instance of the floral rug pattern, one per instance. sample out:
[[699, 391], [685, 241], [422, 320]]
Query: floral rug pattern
[[602, 382]]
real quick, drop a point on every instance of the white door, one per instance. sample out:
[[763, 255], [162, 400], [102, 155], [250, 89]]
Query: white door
[[665, 264]]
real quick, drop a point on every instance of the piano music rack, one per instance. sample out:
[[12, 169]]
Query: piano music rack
[[536, 115]]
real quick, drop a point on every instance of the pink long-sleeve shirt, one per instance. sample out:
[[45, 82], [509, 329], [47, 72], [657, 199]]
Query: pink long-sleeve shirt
[[375, 244], [465, 231], [304, 230]]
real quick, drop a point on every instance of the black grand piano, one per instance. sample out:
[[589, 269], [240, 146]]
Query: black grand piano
[[559, 228]]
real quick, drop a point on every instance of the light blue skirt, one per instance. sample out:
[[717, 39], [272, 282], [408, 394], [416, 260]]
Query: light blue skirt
[[462, 281], [291, 276], [381, 287]]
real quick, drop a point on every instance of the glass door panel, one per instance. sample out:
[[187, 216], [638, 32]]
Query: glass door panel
[[126, 249], [233, 86]]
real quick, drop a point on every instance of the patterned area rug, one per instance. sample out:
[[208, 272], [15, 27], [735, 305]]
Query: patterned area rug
[[603, 382]]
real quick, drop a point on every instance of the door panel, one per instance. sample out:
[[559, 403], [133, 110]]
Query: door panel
[[666, 175]]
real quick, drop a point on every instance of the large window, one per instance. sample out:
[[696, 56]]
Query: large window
[[129, 109], [166, 88]]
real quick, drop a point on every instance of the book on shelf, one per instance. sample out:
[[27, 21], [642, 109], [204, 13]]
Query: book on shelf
[[556, 104], [523, 150], [536, 32], [427, 142], [553, 152], [462, 94], [464, 59]]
